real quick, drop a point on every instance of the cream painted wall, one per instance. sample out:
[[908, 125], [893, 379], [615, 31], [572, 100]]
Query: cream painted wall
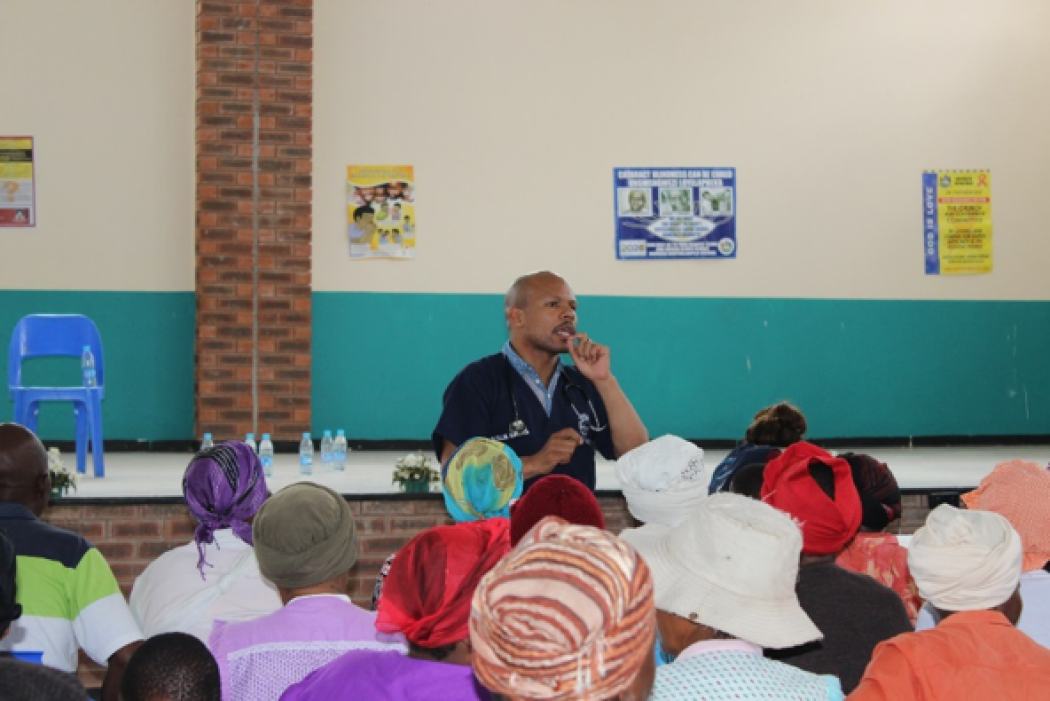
[[107, 90], [515, 114]]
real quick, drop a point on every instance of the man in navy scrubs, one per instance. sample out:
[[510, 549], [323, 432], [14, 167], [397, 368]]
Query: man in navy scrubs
[[555, 416]]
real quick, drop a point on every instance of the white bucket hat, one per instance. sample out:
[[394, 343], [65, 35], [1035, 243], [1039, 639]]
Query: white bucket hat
[[731, 566], [663, 480]]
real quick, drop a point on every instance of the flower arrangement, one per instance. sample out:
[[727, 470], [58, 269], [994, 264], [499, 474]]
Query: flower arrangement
[[62, 480], [414, 474]]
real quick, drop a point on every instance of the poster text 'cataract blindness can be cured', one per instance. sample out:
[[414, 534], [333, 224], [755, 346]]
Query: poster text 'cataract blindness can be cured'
[[665, 213]]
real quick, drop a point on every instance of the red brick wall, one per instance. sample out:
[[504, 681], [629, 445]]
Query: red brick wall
[[248, 54]]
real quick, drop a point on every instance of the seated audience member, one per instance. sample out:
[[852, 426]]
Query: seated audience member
[[171, 667], [25, 681], [69, 597], [663, 480], [875, 552], [187, 588], [10, 609], [479, 481], [554, 495], [567, 614], [1019, 491], [853, 611], [724, 584], [306, 544], [427, 599], [773, 428], [967, 565]]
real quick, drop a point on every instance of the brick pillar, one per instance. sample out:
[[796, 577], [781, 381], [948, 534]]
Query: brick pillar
[[253, 234]]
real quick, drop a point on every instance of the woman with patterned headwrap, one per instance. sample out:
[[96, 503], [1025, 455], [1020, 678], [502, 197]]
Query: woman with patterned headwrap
[[479, 482], [216, 576], [568, 614]]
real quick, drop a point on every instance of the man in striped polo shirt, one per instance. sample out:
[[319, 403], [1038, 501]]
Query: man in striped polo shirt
[[69, 597]]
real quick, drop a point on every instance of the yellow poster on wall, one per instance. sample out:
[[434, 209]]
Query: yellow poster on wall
[[957, 221], [17, 182], [381, 212]]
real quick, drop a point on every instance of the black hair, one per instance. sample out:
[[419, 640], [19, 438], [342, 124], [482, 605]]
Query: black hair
[[175, 666], [779, 426], [748, 480], [363, 210], [25, 681], [438, 653], [824, 476]]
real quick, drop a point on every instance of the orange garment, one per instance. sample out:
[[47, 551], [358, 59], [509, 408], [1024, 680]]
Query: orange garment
[[1017, 489], [884, 559], [970, 655]]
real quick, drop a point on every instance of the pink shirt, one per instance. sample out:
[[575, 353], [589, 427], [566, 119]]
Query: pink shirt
[[259, 659]]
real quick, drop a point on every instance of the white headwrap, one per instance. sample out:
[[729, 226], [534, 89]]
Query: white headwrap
[[663, 480], [965, 560]]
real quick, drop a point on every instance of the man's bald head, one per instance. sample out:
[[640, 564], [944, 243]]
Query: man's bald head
[[517, 296], [23, 466]]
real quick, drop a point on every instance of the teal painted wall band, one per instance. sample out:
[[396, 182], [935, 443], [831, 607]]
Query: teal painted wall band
[[147, 339], [701, 367], [695, 367]]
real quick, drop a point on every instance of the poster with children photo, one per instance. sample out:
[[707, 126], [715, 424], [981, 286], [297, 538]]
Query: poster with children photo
[[381, 212]]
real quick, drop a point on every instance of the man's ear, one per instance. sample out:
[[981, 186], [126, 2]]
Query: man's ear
[[515, 316]]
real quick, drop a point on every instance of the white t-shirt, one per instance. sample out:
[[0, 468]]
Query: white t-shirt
[[170, 594], [1035, 614]]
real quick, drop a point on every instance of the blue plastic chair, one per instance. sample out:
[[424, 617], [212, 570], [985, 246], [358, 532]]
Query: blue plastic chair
[[49, 335]]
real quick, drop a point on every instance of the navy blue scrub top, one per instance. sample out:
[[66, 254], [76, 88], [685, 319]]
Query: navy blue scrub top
[[477, 403]]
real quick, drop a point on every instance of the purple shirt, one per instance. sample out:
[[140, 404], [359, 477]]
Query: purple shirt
[[259, 659], [388, 676]]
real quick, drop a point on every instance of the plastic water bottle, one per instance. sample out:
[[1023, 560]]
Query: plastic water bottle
[[266, 454], [87, 365], [207, 442], [249, 441], [326, 450], [339, 451], [306, 455]]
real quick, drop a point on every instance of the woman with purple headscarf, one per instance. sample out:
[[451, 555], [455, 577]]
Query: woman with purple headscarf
[[215, 577]]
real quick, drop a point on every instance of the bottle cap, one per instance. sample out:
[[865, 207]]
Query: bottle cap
[[340, 432], [87, 348], [266, 436], [250, 437], [208, 436], [328, 433], [306, 434]]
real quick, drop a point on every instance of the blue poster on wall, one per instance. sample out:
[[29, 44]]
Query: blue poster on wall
[[666, 213]]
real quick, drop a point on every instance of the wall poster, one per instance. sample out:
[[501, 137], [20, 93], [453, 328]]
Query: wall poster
[[666, 213], [957, 221], [17, 182], [381, 212]]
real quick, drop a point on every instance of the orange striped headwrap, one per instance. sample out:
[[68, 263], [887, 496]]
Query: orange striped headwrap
[[568, 614]]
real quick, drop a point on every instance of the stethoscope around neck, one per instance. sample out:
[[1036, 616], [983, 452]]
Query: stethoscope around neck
[[518, 429]]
